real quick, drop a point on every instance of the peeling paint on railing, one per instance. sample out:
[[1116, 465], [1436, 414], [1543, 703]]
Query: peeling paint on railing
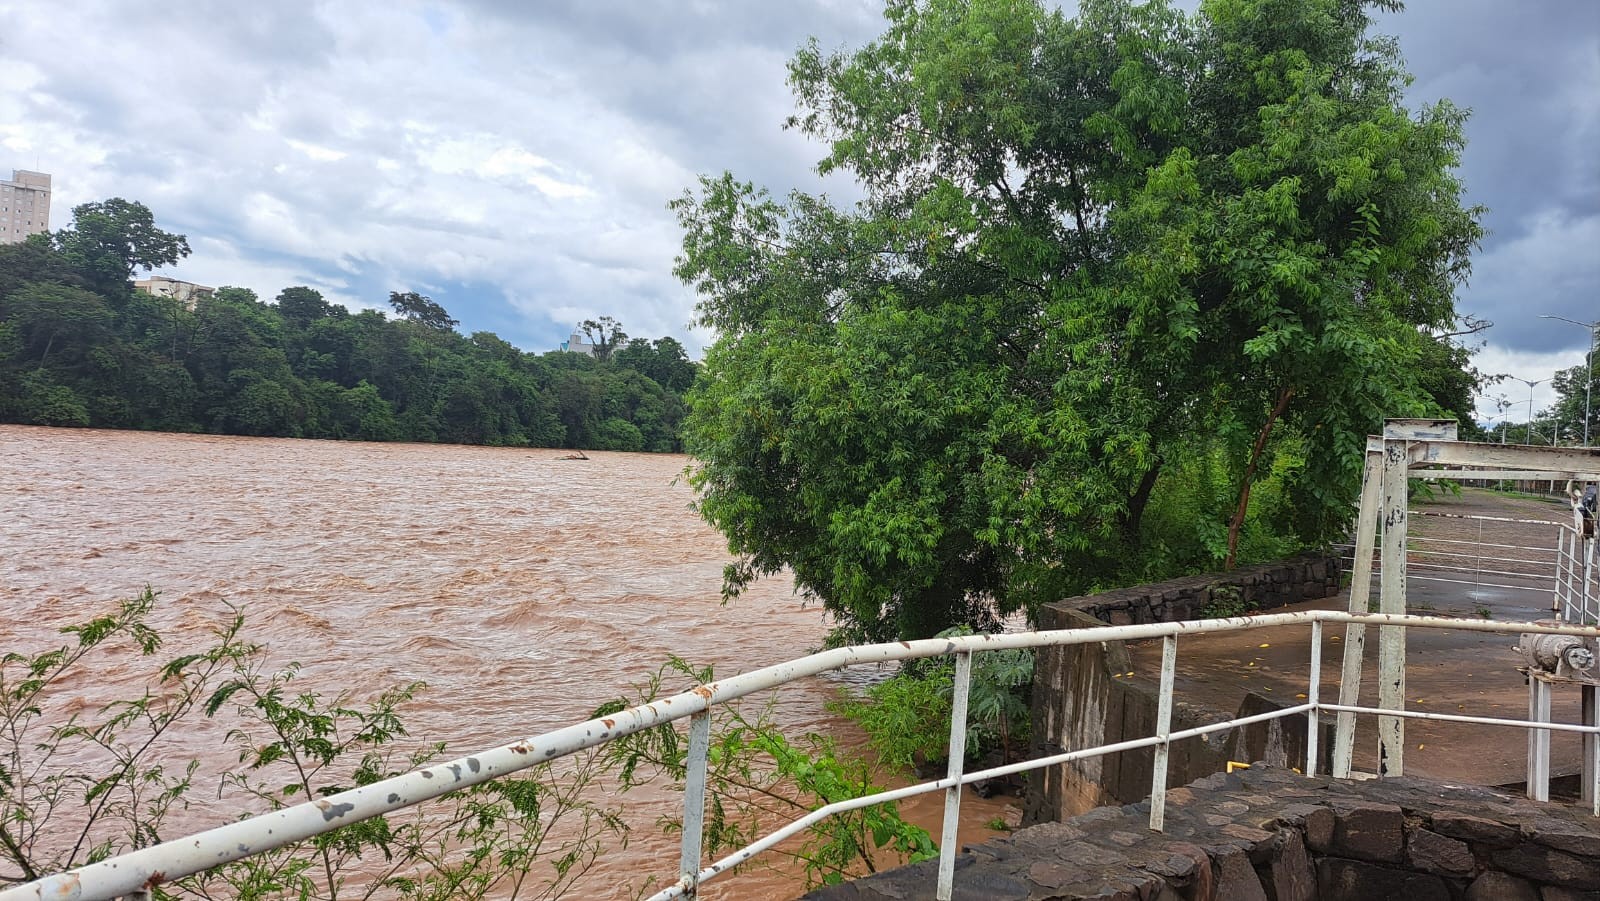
[[136, 872]]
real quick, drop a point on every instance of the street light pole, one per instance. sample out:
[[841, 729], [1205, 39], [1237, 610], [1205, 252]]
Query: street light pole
[[1588, 369], [1528, 438]]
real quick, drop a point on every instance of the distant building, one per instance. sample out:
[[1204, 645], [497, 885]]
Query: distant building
[[24, 206], [186, 293], [578, 345]]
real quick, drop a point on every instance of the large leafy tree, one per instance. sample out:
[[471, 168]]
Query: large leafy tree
[[1574, 394], [422, 310], [1089, 247], [111, 240]]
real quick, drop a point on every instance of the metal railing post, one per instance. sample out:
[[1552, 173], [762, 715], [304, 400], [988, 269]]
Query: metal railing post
[[694, 801], [1355, 634], [1558, 603], [1392, 599], [1158, 772], [1314, 695], [1588, 582], [1590, 771], [1538, 739], [952, 795]]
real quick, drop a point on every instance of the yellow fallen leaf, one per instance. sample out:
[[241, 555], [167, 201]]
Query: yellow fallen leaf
[[1301, 695], [1263, 645], [1420, 747]]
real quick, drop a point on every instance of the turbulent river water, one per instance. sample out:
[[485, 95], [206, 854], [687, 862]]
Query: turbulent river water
[[522, 588]]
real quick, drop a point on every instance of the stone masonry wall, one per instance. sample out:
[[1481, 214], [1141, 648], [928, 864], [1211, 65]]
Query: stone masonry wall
[[1268, 834], [1260, 587], [1083, 695]]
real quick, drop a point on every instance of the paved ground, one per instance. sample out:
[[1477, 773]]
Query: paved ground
[[1452, 672]]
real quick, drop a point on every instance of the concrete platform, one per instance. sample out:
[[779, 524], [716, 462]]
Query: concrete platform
[[1447, 672]]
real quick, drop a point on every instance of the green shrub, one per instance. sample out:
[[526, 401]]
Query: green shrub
[[1226, 601], [78, 787], [754, 773], [907, 716]]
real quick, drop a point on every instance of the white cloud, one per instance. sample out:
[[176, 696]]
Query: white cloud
[[1536, 366], [518, 158]]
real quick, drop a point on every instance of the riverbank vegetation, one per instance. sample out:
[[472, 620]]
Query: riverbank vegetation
[[79, 784], [80, 347], [82, 782], [1123, 296]]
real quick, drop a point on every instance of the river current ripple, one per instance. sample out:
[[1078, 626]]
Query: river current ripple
[[522, 588]]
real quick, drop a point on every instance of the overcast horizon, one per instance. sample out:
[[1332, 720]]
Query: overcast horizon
[[514, 161]]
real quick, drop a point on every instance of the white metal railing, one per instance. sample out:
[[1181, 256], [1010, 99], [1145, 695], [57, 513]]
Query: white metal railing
[[1577, 594], [1498, 564], [133, 874]]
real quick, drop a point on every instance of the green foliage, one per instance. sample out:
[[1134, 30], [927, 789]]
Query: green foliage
[[77, 348], [907, 716], [421, 310], [1418, 490], [113, 239], [754, 773], [77, 787], [1094, 254], [1226, 601], [1573, 394]]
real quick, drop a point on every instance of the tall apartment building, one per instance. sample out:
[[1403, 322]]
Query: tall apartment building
[[24, 205]]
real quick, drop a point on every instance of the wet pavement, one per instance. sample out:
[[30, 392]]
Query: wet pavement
[[1447, 671]]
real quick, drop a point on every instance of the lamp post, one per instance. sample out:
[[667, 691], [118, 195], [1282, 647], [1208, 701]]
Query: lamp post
[[1588, 369], [1528, 438]]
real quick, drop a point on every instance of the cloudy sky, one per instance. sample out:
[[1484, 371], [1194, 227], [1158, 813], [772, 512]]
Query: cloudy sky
[[514, 159]]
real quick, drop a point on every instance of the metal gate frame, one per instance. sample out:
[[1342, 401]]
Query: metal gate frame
[[1420, 446]]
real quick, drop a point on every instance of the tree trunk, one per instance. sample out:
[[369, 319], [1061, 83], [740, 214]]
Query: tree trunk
[[1237, 523], [1132, 519]]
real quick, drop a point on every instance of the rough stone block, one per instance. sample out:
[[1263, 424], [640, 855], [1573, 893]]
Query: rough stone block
[[1493, 886], [1236, 878], [1318, 822], [1557, 893], [1288, 875], [1476, 830], [1354, 880], [1547, 865], [1434, 853], [1563, 836], [989, 886], [1201, 882], [1369, 831]]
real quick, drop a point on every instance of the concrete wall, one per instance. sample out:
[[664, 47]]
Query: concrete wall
[[1083, 695]]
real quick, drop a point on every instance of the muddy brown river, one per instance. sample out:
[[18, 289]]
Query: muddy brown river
[[522, 588]]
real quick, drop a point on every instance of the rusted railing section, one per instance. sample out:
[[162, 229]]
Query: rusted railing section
[[133, 874]]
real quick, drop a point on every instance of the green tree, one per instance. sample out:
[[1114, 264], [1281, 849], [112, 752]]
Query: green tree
[[663, 360], [300, 306], [110, 240], [421, 310], [1088, 247], [605, 334]]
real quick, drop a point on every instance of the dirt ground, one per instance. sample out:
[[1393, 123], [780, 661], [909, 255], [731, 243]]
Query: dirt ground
[[1446, 671]]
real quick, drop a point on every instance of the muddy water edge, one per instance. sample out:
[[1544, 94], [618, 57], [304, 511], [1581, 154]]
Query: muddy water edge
[[522, 588]]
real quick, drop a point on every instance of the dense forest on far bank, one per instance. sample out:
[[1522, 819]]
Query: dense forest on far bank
[[80, 347]]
